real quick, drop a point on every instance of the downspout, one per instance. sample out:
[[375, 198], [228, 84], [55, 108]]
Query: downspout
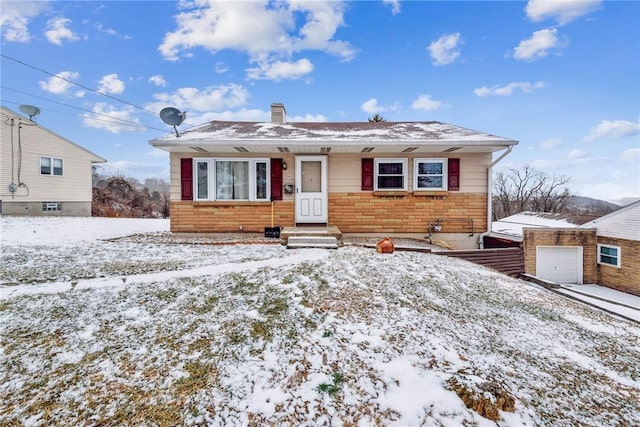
[[490, 196]]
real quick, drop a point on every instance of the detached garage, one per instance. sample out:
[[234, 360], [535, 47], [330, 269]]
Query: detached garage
[[562, 264], [561, 255]]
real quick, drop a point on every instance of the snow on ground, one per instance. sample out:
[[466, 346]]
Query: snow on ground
[[141, 331]]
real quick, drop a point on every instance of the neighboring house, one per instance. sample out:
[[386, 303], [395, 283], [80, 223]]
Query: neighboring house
[[604, 251], [42, 173], [618, 249], [368, 177]]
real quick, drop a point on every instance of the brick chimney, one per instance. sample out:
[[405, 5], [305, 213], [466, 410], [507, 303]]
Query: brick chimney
[[278, 113]]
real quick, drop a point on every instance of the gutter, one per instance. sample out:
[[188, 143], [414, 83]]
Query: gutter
[[490, 196]]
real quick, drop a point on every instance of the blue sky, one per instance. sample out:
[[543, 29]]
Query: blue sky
[[560, 76]]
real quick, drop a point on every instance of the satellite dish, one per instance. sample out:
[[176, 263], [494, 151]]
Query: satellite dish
[[173, 116], [30, 110]]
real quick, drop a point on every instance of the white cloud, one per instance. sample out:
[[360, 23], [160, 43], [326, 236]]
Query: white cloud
[[308, 118], [138, 170], [395, 6], [221, 68], [109, 118], [445, 50], [110, 84], [631, 155], [267, 31], [426, 103], [60, 83], [577, 154], [613, 130], [551, 143], [14, 19], [242, 115], [563, 11], [507, 90], [280, 70], [539, 45], [158, 80], [371, 106], [211, 98], [157, 153], [57, 31], [110, 31]]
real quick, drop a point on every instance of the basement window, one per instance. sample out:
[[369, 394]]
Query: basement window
[[609, 255], [51, 207]]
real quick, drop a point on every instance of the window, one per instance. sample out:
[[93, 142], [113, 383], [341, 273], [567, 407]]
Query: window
[[51, 206], [232, 179], [50, 166], [390, 174], [430, 174], [609, 255]]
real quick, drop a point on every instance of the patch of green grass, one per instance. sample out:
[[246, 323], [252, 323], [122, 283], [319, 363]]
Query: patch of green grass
[[262, 330], [200, 376], [166, 294], [273, 307], [332, 388]]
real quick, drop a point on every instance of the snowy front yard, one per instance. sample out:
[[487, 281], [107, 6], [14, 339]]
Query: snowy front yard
[[142, 331]]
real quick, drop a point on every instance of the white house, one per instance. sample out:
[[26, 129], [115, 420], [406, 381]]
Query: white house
[[42, 173]]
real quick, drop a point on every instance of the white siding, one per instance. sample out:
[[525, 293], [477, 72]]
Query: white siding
[[621, 224], [345, 175], [36, 141]]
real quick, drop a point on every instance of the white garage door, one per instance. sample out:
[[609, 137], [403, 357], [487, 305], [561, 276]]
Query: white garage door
[[562, 264]]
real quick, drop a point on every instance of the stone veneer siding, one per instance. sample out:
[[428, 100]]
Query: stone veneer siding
[[357, 212], [406, 212], [214, 217], [627, 277], [534, 237]]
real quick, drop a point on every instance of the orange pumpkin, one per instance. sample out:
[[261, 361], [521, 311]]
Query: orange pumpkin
[[385, 246]]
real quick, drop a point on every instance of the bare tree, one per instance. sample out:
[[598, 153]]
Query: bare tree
[[377, 118], [527, 189]]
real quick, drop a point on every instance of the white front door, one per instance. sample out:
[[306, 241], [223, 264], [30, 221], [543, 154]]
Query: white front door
[[311, 189]]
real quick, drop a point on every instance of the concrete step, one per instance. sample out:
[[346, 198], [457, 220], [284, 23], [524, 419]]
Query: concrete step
[[330, 231], [328, 242]]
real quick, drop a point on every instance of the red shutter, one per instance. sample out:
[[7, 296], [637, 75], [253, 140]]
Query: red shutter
[[276, 179], [367, 174], [454, 175], [186, 178]]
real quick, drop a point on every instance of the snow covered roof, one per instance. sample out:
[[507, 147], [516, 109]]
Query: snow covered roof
[[512, 226], [332, 137]]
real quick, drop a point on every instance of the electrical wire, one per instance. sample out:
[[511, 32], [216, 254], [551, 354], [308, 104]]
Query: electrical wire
[[133, 124], [10, 121], [77, 84]]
